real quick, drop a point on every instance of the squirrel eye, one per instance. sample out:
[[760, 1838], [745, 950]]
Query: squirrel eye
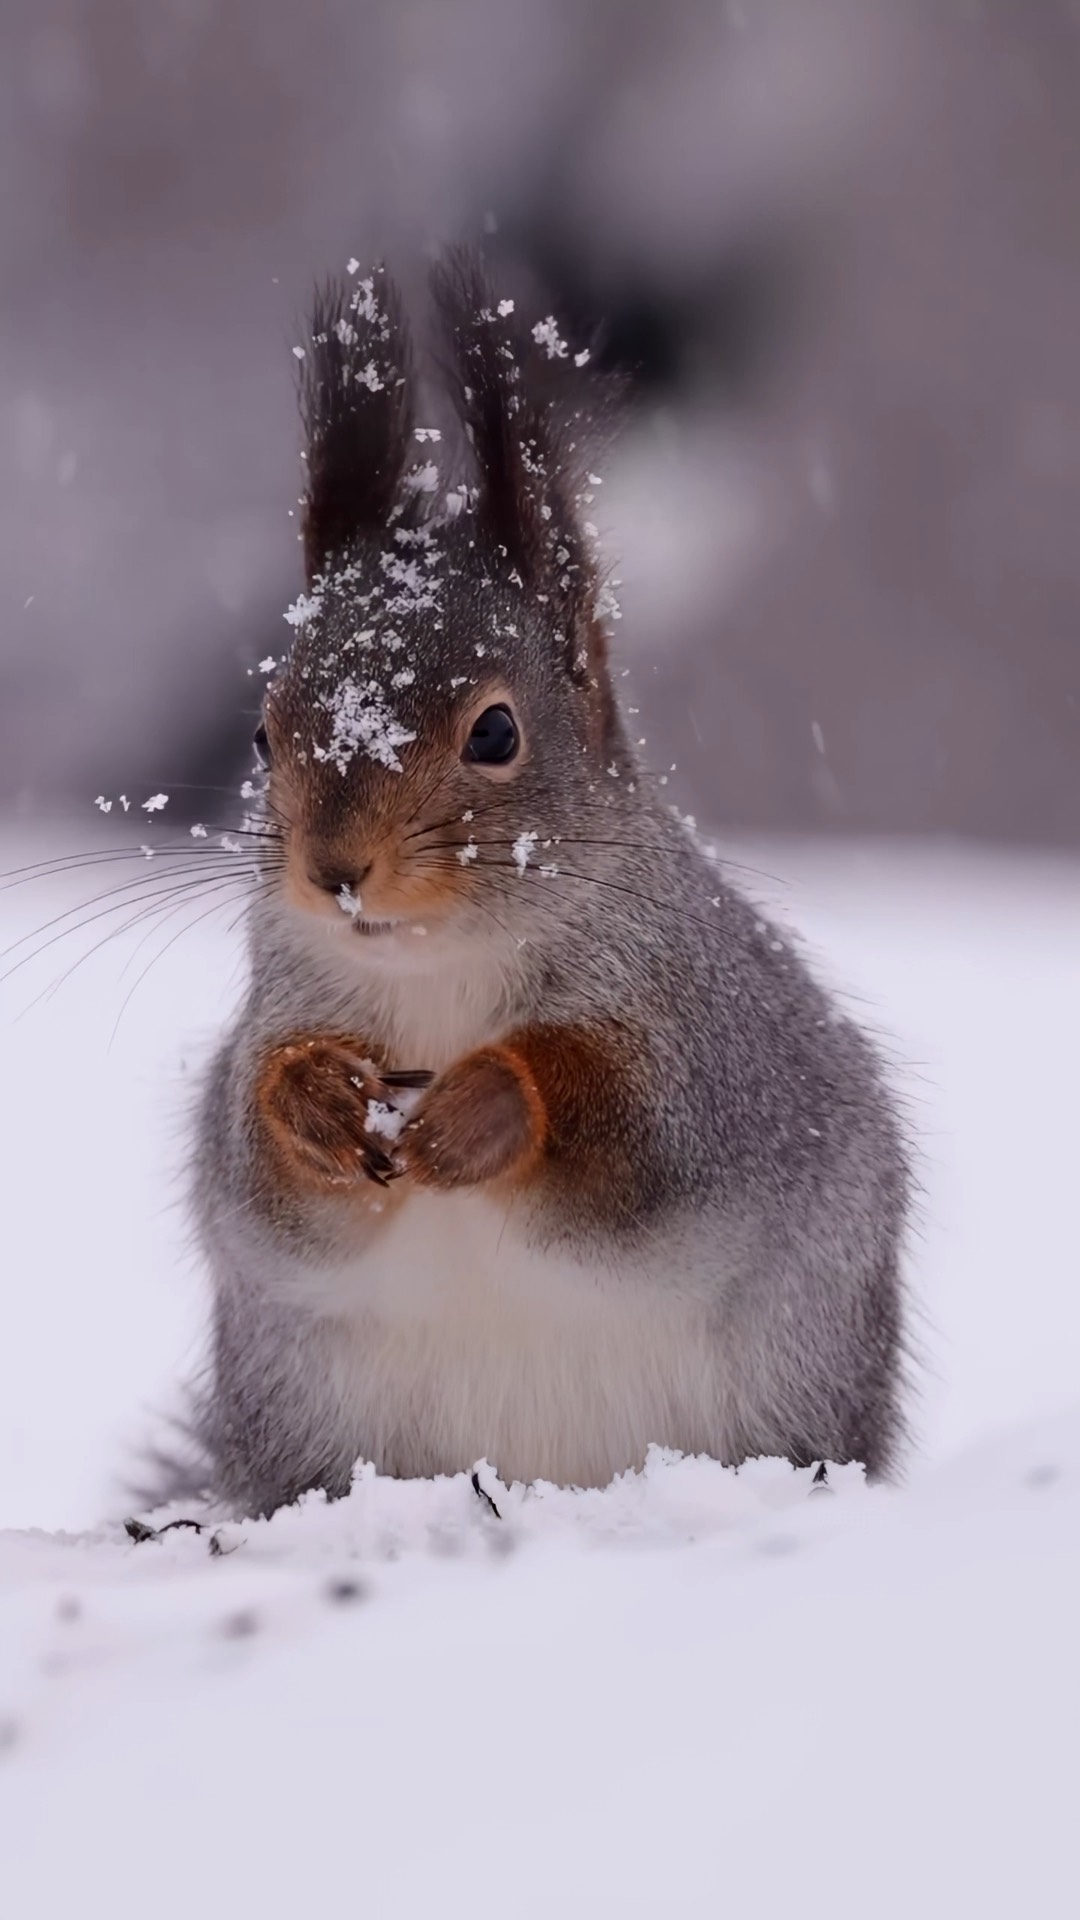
[[261, 744], [494, 738]]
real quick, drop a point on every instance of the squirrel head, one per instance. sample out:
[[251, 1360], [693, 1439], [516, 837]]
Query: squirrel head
[[444, 716]]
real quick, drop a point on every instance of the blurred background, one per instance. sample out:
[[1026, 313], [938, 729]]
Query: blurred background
[[833, 249], [833, 245]]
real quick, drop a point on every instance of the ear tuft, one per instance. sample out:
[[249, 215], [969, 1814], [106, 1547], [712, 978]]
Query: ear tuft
[[356, 405], [530, 414]]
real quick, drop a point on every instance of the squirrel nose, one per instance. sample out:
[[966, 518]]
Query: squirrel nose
[[332, 877]]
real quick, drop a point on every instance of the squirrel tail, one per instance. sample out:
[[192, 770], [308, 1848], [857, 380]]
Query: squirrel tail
[[173, 1469]]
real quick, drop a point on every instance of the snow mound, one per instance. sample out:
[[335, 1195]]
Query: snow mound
[[674, 1500], [695, 1692]]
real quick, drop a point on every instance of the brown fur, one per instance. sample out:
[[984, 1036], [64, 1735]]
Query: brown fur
[[483, 1118], [312, 1097]]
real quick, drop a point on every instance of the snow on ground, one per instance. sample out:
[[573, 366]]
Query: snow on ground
[[693, 1693]]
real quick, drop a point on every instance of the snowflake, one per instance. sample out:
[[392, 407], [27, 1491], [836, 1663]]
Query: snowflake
[[546, 334], [362, 719], [522, 848], [300, 614]]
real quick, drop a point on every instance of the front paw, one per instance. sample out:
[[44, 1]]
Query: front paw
[[330, 1112], [482, 1118]]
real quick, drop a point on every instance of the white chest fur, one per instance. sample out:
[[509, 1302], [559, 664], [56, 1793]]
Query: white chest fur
[[423, 1002], [451, 1337], [453, 1340]]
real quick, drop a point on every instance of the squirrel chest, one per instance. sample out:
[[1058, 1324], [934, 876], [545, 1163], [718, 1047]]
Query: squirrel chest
[[456, 1340]]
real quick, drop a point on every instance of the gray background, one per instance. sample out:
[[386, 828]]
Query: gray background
[[837, 241]]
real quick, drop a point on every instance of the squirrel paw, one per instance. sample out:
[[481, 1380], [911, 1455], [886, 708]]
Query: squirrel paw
[[483, 1117], [330, 1112]]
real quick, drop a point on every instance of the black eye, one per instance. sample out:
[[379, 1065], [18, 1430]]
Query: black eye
[[261, 744], [494, 738]]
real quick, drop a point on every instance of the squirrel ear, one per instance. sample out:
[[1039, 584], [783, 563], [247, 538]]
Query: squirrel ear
[[529, 414], [356, 406]]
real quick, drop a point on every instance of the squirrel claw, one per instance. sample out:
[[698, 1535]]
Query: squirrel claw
[[315, 1093], [376, 1164]]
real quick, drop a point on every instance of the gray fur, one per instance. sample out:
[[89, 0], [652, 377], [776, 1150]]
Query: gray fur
[[755, 1174]]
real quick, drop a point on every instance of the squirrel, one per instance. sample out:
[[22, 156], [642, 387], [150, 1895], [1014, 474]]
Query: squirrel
[[532, 1141]]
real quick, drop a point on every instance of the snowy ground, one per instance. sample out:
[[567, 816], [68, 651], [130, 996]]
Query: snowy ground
[[691, 1694]]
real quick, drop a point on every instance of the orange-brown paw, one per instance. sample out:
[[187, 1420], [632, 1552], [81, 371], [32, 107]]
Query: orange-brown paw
[[315, 1096], [482, 1118]]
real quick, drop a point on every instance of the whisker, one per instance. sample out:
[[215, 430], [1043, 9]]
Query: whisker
[[215, 907], [486, 907], [261, 797], [452, 820], [117, 906], [159, 914], [645, 848], [143, 882], [94, 857], [259, 892], [196, 786], [268, 832], [635, 893], [52, 987], [428, 792], [569, 873]]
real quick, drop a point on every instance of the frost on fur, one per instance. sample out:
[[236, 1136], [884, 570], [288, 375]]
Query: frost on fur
[[380, 523], [356, 402]]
